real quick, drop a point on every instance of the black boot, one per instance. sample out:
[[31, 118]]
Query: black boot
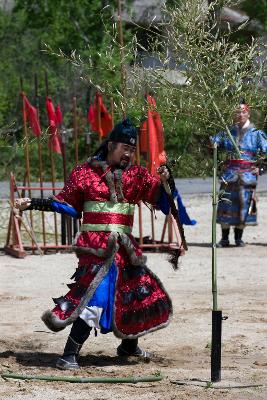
[[129, 347], [80, 331], [224, 242], [238, 237]]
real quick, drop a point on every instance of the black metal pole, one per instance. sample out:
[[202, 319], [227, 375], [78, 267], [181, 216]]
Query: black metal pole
[[216, 345], [63, 229]]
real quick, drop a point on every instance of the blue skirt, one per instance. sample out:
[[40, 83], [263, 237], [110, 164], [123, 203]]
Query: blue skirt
[[240, 207]]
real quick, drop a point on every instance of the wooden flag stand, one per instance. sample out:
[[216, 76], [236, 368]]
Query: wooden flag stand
[[14, 244], [173, 241]]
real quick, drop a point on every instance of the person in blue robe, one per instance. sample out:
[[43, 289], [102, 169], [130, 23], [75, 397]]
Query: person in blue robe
[[239, 176]]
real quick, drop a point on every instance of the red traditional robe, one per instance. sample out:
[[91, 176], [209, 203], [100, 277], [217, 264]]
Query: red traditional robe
[[107, 199]]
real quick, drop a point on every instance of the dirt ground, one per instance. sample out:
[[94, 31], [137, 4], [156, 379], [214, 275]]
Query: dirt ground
[[182, 350]]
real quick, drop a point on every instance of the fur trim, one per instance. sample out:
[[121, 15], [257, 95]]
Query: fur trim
[[130, 250], [52, 321], [111, 186], [109, 177], [56, 324], [118, 183], [113, 242]]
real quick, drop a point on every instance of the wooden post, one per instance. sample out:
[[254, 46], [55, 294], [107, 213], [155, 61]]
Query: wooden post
[[151, 212], [14, 245], [170, 229], [74, 222], [53, 178], [52, 163], [99, 116], [64, 218], [26, 149], [64, 154], [37, 105], [140, 219], [112, 110], [75, 128], [164, 229], [122, 66]]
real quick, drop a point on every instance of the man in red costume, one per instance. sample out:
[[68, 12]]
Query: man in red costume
[[113, 290]]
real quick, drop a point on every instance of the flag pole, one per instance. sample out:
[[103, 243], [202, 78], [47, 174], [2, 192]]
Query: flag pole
[[52, 162], [62, 134], [123, 103], [75, 131], [37, 105], [140, 218], [112, 110], [26, 148], [75, 128], [149, 161], [99, 116], [122, 66]]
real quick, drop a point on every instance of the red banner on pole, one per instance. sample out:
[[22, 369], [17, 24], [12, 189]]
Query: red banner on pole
[[99, 117], [31, 116], [59, 118], [54, 142], [152, 137]]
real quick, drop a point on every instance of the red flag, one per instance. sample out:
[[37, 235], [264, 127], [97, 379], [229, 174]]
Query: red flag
[[59, 118], [31, 116], [90, 115], [152, 138], [54, 142], [105, 125]]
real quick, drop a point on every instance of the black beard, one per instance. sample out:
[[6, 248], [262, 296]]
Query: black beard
[[124, 163]]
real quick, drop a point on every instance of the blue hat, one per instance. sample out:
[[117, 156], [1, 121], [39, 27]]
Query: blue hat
[[124, 132]]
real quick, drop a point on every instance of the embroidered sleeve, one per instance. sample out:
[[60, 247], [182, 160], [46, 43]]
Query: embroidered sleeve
[[150, 187], [72, 193]]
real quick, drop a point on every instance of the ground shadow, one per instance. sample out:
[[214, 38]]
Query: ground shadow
[[39, 359], [195, 244]]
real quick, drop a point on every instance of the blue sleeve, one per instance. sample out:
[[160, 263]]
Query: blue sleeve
[[184, 217], [219, 139], [64, 209], [163, 202], [262, 141], [163, 205]]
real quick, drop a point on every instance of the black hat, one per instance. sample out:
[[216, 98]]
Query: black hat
[[124, 132]]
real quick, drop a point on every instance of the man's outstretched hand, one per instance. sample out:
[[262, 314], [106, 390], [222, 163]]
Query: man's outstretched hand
[[163, 173], [22, 203]]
